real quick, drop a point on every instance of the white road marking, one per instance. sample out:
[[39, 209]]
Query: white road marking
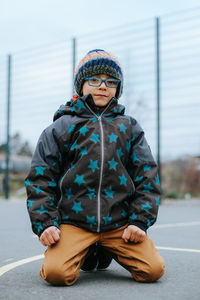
[[177, 224], [178, 249], [13, 265]]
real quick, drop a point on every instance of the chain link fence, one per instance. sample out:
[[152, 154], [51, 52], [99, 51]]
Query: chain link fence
[[42, 78]]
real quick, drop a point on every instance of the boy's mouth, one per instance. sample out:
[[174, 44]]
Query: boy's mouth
[[100, 95]]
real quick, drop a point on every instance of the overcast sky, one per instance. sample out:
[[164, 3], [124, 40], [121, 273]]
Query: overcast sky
[[31, 23]]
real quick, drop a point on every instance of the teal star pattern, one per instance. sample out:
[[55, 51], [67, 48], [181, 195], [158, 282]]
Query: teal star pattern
[[40, 170], [117, 226], [74, 146], [51, 201], [38, 226], [133, 216], [112, 164], [150, 222], [77, 207], [42, 210], [72, 109], [38, 190], [30, 203], [138, 179], [148, 187], [67, 146], [79, 104], [122, 127], [83, 130], [94, 120], [134, 157], [147, 168], [107, 219], [79, 179], [124, 213], [83, 151], [55, 221], [128, 146], [119, 152], [91, 221], [123, 180], [52, 183], [60, 112], [109, 120], [109, 192], [95, 138], [71, 129], [112, 138], [91, 193], [68, 193], [65, 218], [157, 180], [27, 182], [93, 165], [157, 201], [146, 206]]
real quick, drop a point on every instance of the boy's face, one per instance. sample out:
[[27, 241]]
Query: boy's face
[[100, 94]]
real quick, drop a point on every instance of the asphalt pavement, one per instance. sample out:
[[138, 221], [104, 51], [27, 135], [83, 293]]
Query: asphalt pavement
[[176, 235]]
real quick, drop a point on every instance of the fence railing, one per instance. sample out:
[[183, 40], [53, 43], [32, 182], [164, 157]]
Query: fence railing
[[161, 63]]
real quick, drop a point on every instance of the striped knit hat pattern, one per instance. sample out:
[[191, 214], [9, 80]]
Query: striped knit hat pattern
[[97, 62]]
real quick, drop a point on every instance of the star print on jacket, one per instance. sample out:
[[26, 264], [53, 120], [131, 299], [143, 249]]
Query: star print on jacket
[[109, 192], [77, 207], [113, 164], [93, 165], [94, 172], [91, 193], [79, 179], [40, 170], [91, 221]]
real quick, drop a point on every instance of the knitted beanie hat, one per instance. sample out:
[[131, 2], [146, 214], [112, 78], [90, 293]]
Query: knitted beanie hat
[[96, 62]]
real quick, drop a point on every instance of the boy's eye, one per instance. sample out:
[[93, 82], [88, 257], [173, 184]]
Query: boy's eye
[[111, 82], [94, 80]]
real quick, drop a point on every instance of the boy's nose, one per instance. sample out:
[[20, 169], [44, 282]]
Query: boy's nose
[[103, 84]]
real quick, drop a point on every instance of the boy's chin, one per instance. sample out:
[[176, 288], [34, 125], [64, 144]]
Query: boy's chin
[[101, 102]]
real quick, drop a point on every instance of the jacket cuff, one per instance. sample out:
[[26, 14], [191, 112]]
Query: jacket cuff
[[138, 224]]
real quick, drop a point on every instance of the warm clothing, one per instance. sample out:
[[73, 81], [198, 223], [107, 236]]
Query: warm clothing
[[92, 170], [63, 261], [98, 62]]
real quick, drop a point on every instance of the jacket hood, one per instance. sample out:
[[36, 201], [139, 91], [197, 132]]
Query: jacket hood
[[82, 106]]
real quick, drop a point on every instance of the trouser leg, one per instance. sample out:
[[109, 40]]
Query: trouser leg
[[63, 260], [142, 260]]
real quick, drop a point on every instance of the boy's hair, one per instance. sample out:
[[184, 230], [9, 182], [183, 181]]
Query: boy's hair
[[96, 62]]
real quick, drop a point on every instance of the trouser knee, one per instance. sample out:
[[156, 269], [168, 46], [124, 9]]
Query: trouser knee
[[150, 273], [58, 275]]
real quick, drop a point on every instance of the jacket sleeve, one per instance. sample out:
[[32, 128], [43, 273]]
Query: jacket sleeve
[[42, 182], [144, 173]]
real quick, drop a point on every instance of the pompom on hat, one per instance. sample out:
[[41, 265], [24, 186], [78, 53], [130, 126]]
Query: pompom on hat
[[97, 62]]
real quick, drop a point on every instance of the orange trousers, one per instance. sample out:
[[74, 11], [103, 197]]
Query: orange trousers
[[63, 260]]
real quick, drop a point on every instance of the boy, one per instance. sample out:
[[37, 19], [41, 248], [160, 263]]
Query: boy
[[93, 188]]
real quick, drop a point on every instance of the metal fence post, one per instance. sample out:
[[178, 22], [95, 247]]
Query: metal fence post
[[7, 185], [157, 23], [73, 62]]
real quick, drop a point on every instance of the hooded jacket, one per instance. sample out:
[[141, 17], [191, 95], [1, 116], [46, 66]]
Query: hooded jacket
[[93, 170]]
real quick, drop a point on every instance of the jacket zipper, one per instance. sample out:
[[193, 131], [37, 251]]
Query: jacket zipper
[[99, 118]]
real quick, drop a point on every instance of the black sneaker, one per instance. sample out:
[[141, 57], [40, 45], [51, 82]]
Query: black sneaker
[[104, 260], [97, 259], [91, 260]]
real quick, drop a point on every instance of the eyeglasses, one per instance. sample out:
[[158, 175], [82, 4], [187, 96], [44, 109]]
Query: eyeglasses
[[96, 81]]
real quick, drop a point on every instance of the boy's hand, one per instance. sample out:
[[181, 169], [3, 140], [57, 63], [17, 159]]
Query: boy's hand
[[133, 234], [50, 236]]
